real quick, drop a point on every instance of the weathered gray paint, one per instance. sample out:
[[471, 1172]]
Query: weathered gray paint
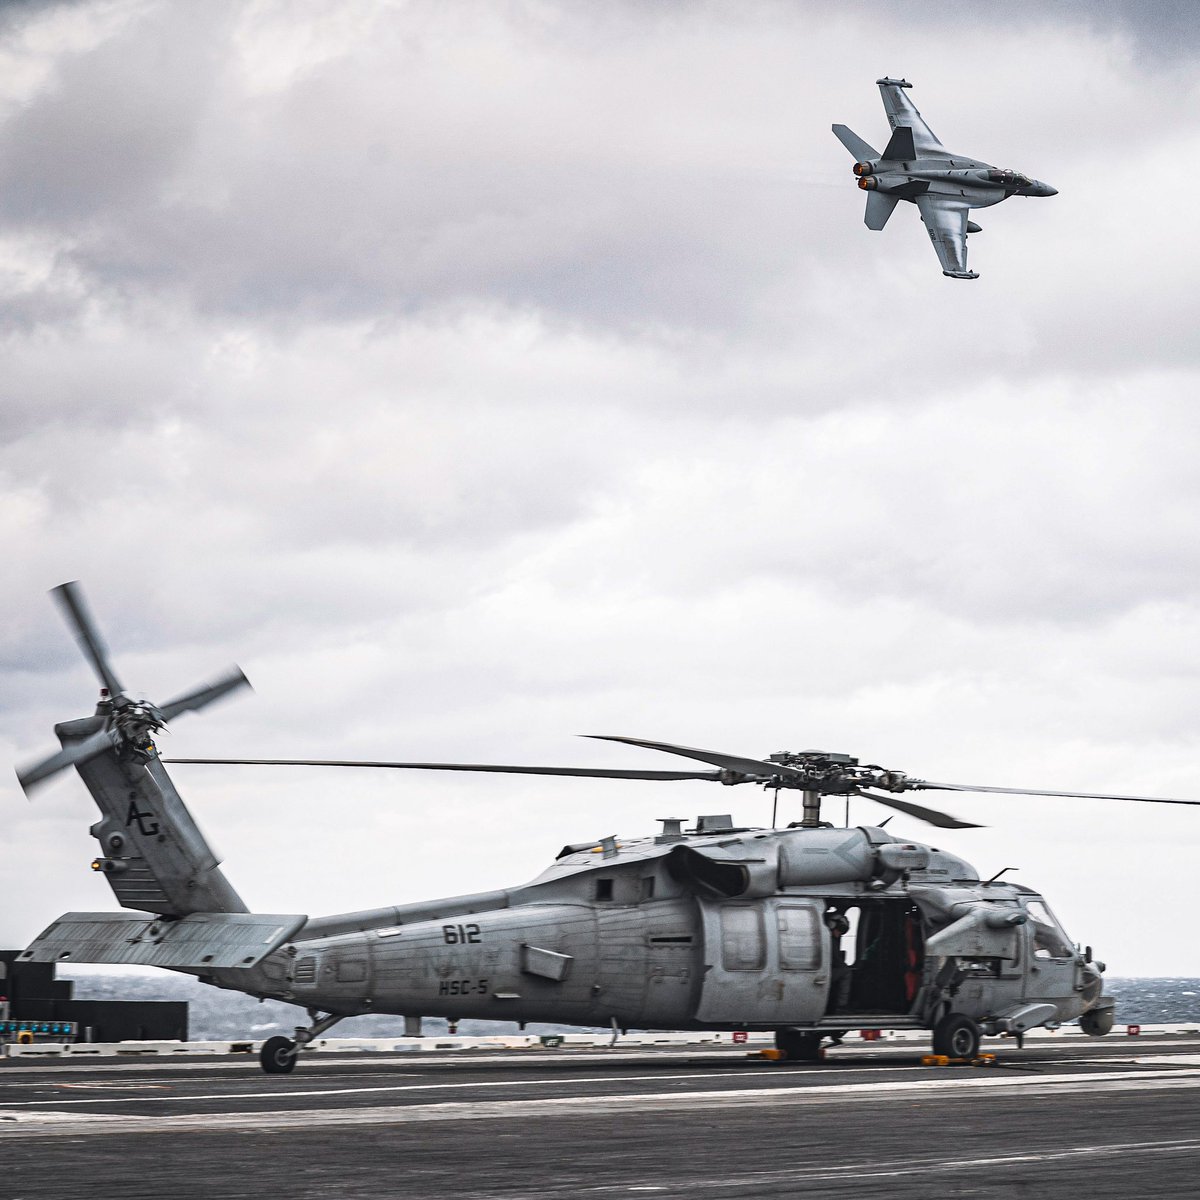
[[712, 928], [197, 942]]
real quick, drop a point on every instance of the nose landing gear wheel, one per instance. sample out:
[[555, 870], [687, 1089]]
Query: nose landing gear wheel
[[956, 1036], [278, 1056]]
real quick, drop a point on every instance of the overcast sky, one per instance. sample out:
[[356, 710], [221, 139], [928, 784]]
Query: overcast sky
[[479, 375]]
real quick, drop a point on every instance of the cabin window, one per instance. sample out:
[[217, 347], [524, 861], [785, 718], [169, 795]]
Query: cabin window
[[742, 945], [799, 943], [647, 892], [604, 889]]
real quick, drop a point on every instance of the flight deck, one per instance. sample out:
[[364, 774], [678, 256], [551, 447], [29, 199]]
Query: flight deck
[[1097, 1117]]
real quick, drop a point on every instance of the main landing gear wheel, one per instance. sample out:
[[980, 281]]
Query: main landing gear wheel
[[798, 1045], [278, 1055], [956, 1036]]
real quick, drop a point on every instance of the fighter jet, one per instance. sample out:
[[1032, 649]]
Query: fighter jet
[[944, 186]]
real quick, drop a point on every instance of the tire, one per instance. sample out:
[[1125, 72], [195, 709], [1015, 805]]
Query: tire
[[956, 1036], [799, 1045], [278, 1056], [1098, 1021]]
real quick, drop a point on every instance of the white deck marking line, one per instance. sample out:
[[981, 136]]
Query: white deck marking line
[[398, 1087], [942, 1083], [79, 1124]]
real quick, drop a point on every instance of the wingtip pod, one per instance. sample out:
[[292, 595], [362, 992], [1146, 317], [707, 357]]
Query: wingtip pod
[[887, 81], [961, 274]]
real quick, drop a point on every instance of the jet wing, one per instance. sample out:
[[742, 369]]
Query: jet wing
[[902, 113], [945, 220]]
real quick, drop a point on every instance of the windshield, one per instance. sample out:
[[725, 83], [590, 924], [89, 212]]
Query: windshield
[[1010, 178], [1049, 940]]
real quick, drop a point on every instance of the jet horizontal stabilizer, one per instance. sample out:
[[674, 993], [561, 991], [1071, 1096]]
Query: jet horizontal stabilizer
[[862, 151], [198, 942]]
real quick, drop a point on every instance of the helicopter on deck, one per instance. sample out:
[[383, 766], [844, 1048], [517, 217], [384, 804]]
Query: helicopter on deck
[[806, 931]]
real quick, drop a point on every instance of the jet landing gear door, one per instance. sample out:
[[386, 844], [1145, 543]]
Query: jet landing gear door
[[766, 962]]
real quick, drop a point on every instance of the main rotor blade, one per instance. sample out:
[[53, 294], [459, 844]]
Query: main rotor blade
[[204, 695], [78, 616], [68, 756], [932, 816], [585, 772], [730, 762], [925, 785]]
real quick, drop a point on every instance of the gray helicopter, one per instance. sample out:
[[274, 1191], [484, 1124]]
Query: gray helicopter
[[915, 166], [807, 931]]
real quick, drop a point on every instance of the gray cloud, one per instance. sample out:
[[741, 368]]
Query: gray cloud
[[480, 375]]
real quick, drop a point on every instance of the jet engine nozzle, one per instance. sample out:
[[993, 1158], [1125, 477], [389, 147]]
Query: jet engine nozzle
[[868, 183], [863, 168]]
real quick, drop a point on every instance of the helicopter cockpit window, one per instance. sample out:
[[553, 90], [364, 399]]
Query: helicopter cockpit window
[[1049, 941]]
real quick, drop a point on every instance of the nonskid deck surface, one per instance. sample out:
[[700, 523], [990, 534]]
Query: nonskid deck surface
[[1111, 1117]]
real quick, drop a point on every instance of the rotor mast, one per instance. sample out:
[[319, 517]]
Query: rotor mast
[[812, 809]]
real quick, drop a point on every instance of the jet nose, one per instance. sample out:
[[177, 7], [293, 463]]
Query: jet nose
[[1047, 190]]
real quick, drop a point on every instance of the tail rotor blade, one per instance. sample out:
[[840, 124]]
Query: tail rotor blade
[[204, 695], [29, 777], [78, 616]]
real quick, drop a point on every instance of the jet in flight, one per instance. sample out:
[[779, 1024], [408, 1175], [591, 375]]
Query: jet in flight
[[944, 186]]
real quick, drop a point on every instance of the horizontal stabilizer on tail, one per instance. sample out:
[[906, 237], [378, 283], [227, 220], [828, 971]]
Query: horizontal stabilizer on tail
[[198, 942], [880, 206], [862, 151]]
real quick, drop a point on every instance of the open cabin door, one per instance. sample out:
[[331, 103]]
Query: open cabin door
[[766, 962]]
